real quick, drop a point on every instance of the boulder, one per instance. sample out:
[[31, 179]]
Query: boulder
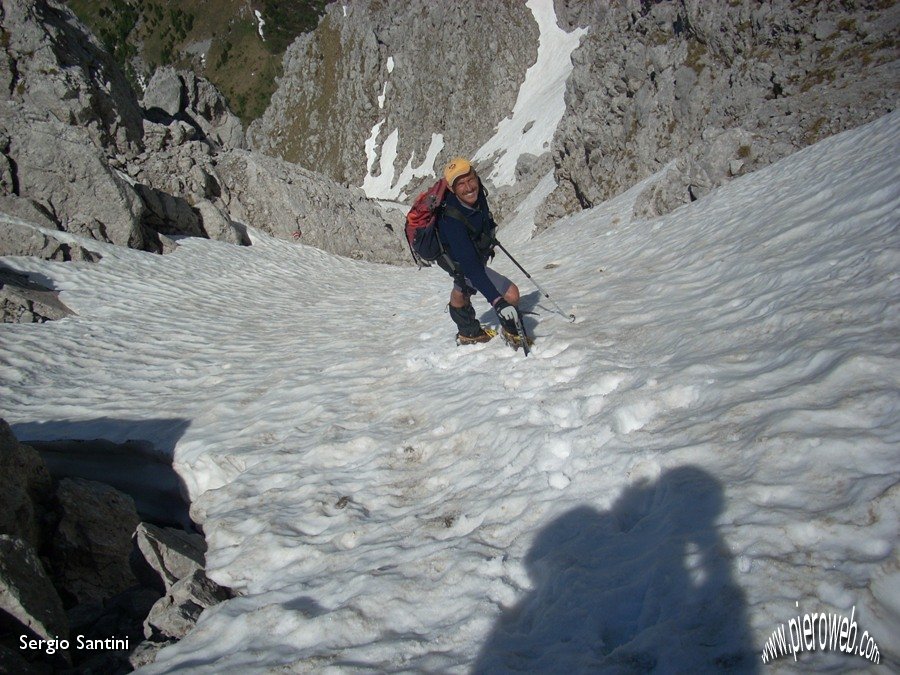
[[26, 593], [176, 614], [218, 225], [172, 554], [92, 544], [173, 95], [165, 94], [26, 487]]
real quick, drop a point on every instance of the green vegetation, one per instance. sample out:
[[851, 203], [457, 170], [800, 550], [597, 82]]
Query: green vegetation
[[218, 39], [327, 46], [286, 19], [696, 56]]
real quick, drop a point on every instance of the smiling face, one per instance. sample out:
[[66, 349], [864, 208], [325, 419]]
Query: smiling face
[[466, 188]]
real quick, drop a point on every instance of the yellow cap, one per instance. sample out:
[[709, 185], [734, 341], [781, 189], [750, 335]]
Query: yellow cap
[[458, 166]]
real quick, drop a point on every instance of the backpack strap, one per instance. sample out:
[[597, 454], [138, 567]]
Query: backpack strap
[[445, 262], [463, 218]]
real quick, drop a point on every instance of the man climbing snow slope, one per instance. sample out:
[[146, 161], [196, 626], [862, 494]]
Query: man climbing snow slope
[[466, 229]]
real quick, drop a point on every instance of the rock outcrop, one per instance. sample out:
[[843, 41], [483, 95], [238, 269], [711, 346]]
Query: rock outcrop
[[58, 167], [68, 120], [26, 487], [279, 198], [26, 593], [710, 90], [714, 90], [79, 154], [51, 65], [76, 563], [418, 67], [24, 301], [183, 95], [173, 561], [166, 555], [92, 543]]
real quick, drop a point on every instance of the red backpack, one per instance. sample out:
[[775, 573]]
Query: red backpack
[[421, 230]]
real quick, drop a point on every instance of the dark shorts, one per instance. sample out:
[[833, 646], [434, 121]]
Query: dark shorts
[[500, 281]]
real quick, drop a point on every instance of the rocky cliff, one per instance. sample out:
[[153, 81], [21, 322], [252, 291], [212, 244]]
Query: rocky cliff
[[718, 89], [384, 91], [418, 67], [710, 89], [80, 153]]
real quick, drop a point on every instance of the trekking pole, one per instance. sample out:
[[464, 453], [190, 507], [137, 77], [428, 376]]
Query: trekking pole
[[570, 317]]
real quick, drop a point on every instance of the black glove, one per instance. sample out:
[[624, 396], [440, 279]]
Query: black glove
[[509, 316]]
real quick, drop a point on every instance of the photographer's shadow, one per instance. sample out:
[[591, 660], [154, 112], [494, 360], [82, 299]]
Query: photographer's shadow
[[644, 587]]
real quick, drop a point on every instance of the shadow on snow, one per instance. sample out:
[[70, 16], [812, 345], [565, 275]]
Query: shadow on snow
[[645, 586], [134, 456]]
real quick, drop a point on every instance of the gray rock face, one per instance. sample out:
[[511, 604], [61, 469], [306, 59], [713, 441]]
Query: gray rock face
[[219, 226], [279, 197], [86, 544], [171, 553], [70, 125], [25, 485], [723, 88], [58, 166], [174, 615], [69, 120], [26, 593], [23, 301], [180, 94], [92, 544], [715, 89], [457, 68], [53, 66], [165, 93]]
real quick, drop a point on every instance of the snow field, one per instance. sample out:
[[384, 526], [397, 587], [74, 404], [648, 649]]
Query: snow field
[[714, 439]]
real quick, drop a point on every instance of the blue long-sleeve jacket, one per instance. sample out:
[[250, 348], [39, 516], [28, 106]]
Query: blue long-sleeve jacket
[[469, 247]]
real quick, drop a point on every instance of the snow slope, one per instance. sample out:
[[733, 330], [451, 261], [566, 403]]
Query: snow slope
[[710, 449]]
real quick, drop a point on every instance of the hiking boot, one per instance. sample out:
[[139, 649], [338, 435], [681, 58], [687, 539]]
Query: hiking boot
[[513, 339], [485, 335]]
